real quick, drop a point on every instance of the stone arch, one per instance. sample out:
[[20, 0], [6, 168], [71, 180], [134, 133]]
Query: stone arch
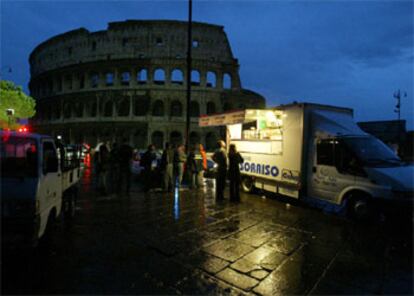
[[157, 138], [176, 108], [158, 108], [108, 109], [94, 80], [176, 138], [195, 77], [211, 79], [142, 76], [194, 139], [177, 77], [92, 109], [123, 107], [56, 111], [211, 108], [194, 109], [159, 76], [79, 110], [109, 78], [140, 139], [227, 106], [48, 112], [67, 110], [211, 141], [125, 77], [227, 81], [141, 106]]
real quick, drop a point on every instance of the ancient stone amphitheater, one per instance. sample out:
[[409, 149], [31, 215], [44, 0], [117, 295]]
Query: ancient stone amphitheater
[[130, 81]]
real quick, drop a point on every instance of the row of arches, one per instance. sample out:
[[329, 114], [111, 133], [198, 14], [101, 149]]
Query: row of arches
[[126, 77], [140, 138], [124, 108]]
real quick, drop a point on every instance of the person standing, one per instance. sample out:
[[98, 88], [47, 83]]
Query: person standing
[[125, 158], [192, 168], [114, 168], [219, 157], [235, 159], [146, 161], [201, 160], [179, 160], [167, 165], [103, 163]]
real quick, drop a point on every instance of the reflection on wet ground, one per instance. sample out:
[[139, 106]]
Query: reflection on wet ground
[[186, 243]]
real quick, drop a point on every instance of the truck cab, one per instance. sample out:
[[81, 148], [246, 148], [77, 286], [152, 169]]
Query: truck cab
[[355, 171], [32, 187]]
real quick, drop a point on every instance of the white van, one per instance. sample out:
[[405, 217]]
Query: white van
[[35, 186], [315, 153]]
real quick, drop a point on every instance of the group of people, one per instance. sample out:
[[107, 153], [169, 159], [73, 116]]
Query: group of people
[[113, 168], [174, 162], [228, 167]]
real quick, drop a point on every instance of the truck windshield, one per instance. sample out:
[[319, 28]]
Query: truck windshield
[[18, 157], [372, 152]]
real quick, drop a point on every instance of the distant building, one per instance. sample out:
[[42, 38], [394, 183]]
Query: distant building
[[393, 133], [130, 81]]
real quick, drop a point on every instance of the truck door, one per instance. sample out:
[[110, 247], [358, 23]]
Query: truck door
[[50, 193], [327, 178]]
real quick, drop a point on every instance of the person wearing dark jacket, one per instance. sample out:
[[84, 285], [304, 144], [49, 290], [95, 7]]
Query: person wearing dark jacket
[[235, 159], [146, 161], [192, 169], [219, 157], [167, 165]]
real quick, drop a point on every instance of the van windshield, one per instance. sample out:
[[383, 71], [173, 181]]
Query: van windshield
[[372, 152], [18, 157]]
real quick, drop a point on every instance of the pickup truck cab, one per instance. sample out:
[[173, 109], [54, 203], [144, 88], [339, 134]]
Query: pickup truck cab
[[36, 186]]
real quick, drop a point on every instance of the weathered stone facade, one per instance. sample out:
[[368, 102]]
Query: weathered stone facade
[[130, 81]]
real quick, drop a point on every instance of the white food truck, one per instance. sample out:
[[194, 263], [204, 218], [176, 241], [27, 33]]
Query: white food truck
[[37, 184], [315, 153]]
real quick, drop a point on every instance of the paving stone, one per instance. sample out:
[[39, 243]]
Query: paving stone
[[284, 243], [201, 284], [245, 266], [202, 260], [257, 234], [259, 274], [296, 275], [272, 261], [237, 279], [228, 249]]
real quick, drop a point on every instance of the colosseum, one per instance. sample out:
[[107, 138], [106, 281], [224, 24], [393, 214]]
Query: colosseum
[[129, 81]]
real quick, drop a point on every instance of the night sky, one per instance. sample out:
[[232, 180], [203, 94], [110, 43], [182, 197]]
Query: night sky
[[347, 53]]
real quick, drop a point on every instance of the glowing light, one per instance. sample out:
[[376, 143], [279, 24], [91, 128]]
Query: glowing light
[[176, 204]]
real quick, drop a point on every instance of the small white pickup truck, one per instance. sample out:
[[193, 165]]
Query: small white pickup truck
[[38, 184]]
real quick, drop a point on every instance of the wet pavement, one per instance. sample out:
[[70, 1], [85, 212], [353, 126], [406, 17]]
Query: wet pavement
[[186, 243]]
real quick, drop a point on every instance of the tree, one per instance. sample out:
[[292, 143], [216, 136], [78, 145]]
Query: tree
[[13, 97]]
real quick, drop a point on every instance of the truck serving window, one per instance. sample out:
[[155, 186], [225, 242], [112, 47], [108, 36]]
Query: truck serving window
[[18, 157], [263, 129]]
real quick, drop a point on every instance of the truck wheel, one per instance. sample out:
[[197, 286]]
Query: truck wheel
[[247, 184], [359, 208]]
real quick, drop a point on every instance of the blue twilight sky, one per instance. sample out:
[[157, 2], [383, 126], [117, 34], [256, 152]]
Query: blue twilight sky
[[348, 53]]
